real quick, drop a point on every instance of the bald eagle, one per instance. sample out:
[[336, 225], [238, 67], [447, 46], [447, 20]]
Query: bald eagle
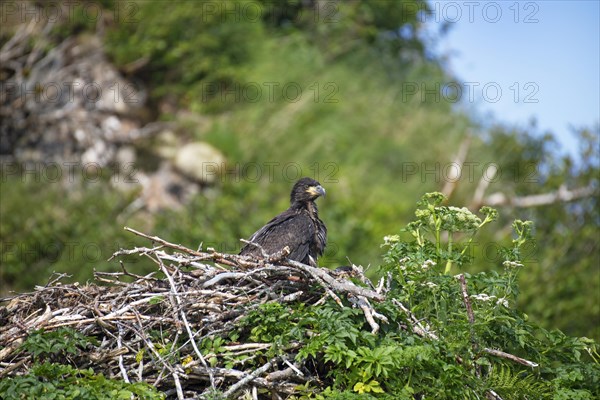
[[298, 227]]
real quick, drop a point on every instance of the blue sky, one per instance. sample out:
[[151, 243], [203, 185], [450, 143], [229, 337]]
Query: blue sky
[[527, 59]]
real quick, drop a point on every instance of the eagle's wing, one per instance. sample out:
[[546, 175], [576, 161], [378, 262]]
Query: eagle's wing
[[289, 228], [321, 241]]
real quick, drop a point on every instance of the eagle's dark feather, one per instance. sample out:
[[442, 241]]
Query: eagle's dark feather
[[298, 227]]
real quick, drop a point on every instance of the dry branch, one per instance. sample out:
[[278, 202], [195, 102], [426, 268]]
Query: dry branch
[[514, 358], [471, 316], [458, 164], [561, 195]]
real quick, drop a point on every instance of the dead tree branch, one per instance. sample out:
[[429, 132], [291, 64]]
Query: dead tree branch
[[561, 195]]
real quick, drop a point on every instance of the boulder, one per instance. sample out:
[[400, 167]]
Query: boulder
[[200, 161]]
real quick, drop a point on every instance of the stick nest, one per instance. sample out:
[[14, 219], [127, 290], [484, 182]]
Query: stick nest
[[194, 296]]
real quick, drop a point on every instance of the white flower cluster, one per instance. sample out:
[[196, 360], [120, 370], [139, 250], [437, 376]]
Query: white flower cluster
[[484, 297], [511, 264], [462, 212], [427, 264], [388, 240], [430, 285], [502, 302], [402, 261], [461, 217]]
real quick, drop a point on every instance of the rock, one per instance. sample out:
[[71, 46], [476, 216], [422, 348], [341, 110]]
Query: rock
[[166, 144], [200, 161], [162, 189], [73, 104], [125, 156]]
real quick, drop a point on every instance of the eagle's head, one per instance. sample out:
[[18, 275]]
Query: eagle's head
[[306, 189]]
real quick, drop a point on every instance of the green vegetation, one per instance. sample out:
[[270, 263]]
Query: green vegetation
[[49, 228], [53, 378], [58, 381], [446, 336], [56, 344], [442, 350]]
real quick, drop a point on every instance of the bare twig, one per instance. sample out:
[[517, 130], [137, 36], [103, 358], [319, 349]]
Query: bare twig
[[187, 326], [247, 379], [341, 286], [492, 395], [156, 239], [514, 358], [120, 346], [416, 325], [370, 313], [471, 316]]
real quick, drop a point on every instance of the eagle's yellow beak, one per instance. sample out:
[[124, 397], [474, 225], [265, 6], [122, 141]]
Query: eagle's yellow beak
[[316, 191]]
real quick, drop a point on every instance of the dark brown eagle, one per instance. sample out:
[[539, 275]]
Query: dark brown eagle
[[298, 227]]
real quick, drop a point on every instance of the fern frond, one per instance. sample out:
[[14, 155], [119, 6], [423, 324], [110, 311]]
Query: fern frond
[[512, 385]]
